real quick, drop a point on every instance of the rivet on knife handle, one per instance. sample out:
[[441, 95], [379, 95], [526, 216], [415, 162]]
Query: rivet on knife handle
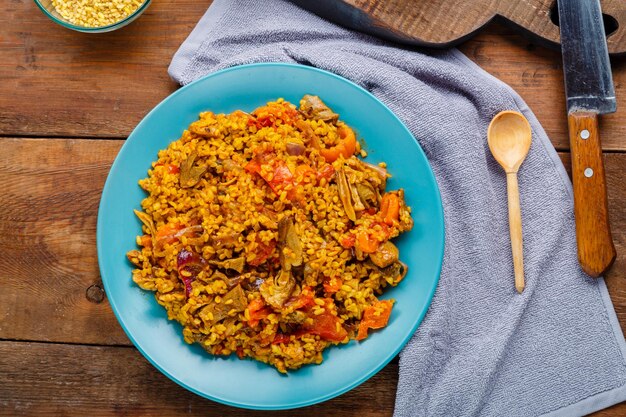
[[596, 252]]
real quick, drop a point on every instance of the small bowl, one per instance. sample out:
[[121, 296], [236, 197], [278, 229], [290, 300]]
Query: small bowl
[[49, 10]]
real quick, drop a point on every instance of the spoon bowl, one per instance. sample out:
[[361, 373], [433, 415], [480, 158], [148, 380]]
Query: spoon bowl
[[509, 137]]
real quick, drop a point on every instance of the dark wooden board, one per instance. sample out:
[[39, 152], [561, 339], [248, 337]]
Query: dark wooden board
[[56, 82], [42, 379], [439, 24]]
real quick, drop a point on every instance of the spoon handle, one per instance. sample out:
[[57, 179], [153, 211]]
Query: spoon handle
[[596, 252], [515, 227]]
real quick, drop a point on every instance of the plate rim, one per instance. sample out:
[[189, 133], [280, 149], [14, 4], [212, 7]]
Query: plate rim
[[106, 191]]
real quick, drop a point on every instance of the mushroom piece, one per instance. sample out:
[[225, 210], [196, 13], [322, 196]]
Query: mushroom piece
[[190, 173], [236, 264], [234, 301], [386, 254], [146, 219], [312, 107], [368, 194], [356, 199], [276, 290], [345, 194], [289, 246], [308, 134], [396, 271], [135, 258]]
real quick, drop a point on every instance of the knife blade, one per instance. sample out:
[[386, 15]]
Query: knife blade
[[589, 92]]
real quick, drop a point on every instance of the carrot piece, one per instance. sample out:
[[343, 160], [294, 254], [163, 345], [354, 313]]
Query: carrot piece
[[390, 208], [375, 316], [145, 241], [366, 243], [167, 233], [346, 147]]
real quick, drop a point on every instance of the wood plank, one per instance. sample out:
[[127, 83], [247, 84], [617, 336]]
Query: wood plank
[[427, 22], [39, 379], [116, 78], [536, 73], [57, 82], [50, 279]]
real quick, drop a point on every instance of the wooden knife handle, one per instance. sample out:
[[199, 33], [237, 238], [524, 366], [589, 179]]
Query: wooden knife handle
[[596, 252]]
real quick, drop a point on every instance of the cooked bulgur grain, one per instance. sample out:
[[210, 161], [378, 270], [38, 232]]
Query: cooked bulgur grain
[[265, 235]]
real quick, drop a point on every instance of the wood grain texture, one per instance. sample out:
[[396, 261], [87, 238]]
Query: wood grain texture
[[51, 288], [57, 82], [48, 72], [428, 22], [48, 235], [596, 252], [515, 230], [536, 74], [40, 379]]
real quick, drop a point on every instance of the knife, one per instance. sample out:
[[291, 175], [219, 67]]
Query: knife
[[589, 90]]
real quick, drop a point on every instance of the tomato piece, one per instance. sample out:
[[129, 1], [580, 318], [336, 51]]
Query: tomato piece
[[263, 252], [281, 338], [348, 241], [305, 299], [332, 285], [269, 114], [375, 316], [258, 311], [172, 169], [304, 172], [327, 171], [281, 178], [253, 167], [327, 326], [240, 352]]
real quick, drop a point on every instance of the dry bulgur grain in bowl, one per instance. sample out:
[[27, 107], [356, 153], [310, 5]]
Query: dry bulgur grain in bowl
[[266, 236], [93, 16]]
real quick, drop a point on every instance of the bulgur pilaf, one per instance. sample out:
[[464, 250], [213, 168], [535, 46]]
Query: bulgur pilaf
[[267, 237]]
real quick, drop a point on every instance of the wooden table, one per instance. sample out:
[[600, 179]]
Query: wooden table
[[67, 101]]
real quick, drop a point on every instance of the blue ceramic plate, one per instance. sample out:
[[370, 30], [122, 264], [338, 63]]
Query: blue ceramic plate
[[247, 383]]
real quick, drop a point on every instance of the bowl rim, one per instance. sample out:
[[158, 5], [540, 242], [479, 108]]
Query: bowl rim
[[98, 29]]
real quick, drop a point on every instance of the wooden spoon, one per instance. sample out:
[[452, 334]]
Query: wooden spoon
[[509, 138]]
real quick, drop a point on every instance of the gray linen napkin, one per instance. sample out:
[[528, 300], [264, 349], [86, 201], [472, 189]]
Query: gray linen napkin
[[482, 350]]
